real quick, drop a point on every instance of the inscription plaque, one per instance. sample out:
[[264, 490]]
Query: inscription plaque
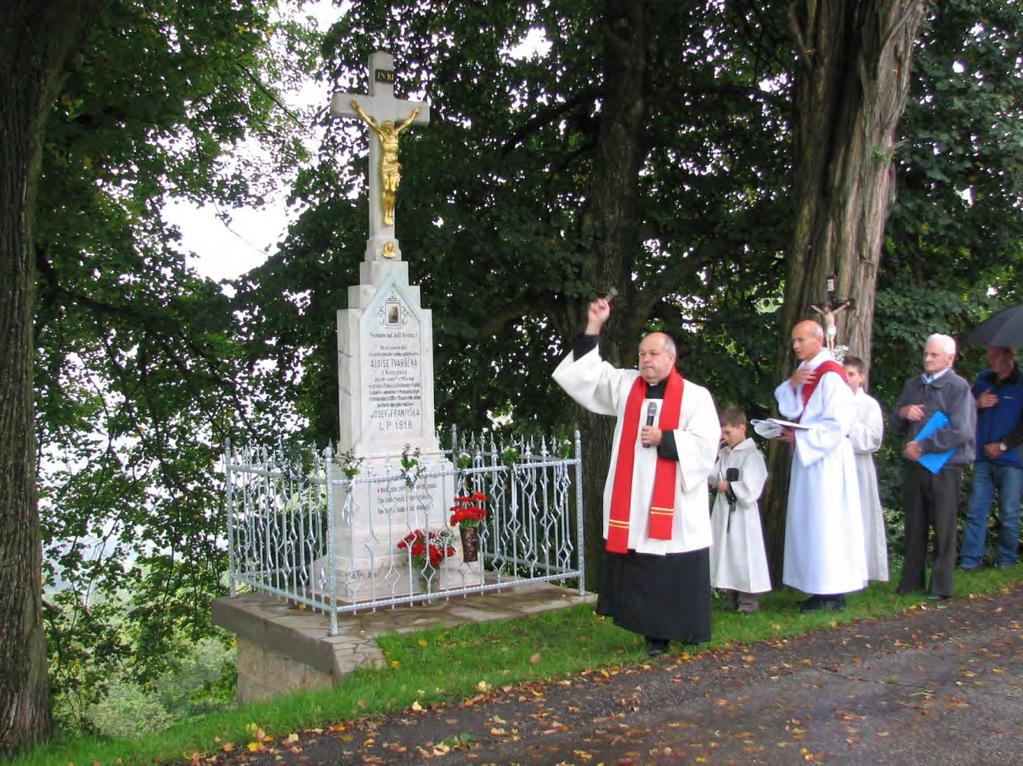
[[394, 370]]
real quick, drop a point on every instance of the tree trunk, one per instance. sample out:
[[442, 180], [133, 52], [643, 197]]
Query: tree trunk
[[596, 431], [36, 40], [852, 79], [610, 223]]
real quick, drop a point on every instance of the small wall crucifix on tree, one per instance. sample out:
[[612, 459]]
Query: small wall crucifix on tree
[[387, 116], [829, 310]]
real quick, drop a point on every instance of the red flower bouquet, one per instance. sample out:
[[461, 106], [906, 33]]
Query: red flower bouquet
[[468, 511], [467, 514], [428, 549]]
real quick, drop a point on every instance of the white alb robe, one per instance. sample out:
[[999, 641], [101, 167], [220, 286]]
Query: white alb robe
[[738, 560], [824, 552], [604, 389], [865, 434]]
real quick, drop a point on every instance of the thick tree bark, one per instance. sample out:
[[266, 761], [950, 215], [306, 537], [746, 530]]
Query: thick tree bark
[[854, 67], [36, 40], [611, 223]]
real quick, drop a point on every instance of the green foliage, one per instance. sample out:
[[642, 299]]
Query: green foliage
[[959, 218], [954, 245], [904, 317], [139, 373], [957, 227], [202, 682], [492, 209]]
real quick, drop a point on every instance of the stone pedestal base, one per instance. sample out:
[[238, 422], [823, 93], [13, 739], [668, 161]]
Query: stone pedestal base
[[374, 514], [264, 673], [283, 649]]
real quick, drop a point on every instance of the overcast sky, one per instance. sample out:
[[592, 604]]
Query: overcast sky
[[221, 252], [224, 251]]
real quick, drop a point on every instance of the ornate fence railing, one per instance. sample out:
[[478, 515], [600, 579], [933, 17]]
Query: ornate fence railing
[[341, 535]]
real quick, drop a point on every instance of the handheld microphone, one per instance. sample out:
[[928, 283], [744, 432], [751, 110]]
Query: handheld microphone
[[651, 413], [731, 475]]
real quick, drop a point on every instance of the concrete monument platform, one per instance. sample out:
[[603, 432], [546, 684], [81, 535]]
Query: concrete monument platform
[[282, 648]]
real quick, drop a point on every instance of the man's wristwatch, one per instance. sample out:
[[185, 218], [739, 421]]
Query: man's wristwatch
[[1002, 447]]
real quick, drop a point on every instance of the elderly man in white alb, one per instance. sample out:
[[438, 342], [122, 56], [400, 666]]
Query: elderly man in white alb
[[656, 578], [824, 553]]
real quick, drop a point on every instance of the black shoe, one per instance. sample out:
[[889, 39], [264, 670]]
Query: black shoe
[[655, 647], [825, 604], [809, 604], [936, 597]]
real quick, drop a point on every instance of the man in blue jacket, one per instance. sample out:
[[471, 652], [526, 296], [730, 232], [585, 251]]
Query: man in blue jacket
[[999, 393]]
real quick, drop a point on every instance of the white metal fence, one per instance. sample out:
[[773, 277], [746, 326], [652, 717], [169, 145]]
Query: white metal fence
[[327, 531]]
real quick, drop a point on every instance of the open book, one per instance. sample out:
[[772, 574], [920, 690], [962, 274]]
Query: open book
[[772, 428]]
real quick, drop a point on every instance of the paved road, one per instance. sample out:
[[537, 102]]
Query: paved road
[[940, 684]]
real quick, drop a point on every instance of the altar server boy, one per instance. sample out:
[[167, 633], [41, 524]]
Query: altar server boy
[[866, 434], [738, 561]]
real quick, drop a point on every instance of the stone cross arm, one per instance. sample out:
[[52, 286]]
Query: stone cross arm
[[380, 107]]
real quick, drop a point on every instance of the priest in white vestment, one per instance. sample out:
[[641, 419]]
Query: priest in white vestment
[[866, 434], [824, 552], [655, 508]]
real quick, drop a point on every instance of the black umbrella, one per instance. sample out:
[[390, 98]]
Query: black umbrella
[[1002, 329]]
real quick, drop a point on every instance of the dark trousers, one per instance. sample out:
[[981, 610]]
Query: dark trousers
[[931, 502]]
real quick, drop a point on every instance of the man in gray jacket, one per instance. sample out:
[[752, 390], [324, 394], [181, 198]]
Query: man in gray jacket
[[931, 489]]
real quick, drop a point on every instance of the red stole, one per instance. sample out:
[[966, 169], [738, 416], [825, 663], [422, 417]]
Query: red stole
[[662, 506], [810, 385]]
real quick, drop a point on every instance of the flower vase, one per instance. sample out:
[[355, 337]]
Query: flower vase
[[470, 543]]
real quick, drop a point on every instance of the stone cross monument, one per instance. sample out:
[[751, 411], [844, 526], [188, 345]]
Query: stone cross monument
[[385, 337], [385, 373]]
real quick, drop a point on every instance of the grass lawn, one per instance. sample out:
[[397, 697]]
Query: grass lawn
[[454, 663]]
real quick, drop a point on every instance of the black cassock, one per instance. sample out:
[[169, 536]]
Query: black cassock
[[662, 597]]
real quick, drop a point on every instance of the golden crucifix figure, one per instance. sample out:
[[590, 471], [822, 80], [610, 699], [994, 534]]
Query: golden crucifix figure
[[390, 169]]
